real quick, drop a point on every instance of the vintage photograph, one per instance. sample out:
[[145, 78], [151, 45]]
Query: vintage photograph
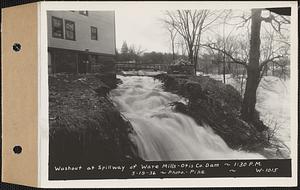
[[168, 85]]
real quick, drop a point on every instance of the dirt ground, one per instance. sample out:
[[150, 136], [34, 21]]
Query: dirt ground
[[85, 126]]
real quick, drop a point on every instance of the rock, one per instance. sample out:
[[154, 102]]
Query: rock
[[193, 90], [119, 81], [180, 107], [108, 78], [102, 91]]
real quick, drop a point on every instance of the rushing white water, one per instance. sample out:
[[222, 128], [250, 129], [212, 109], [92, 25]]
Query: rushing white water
[[162, 134]]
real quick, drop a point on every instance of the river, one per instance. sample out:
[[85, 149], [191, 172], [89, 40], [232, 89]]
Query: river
[[161, 134]]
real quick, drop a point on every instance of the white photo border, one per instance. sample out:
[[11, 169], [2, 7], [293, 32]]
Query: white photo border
[[43, 123]]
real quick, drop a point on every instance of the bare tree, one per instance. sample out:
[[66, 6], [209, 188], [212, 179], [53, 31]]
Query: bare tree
[[172, 33], [274, 43], [255, 64], [136, 52], [180, 46], [190, 24], [130, 53], [224, 45], [255, 67]]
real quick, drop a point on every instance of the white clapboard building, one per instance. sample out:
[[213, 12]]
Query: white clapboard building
[[81, 41]]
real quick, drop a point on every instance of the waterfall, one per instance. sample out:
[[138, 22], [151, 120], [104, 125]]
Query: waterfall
[[161, 134]]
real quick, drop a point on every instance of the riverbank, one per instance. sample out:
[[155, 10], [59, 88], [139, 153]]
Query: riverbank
[[212, 103], [85, 127], [163, 134]]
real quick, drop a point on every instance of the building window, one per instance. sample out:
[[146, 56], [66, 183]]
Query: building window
[[85, 13], [94, 33], [57, 27], [70, 30]]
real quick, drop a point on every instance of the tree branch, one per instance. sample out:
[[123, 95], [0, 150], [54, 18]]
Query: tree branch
[[226, 53], [269, 60]]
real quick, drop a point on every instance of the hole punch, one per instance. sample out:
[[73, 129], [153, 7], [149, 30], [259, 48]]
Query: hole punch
[[16, 47], [17, 149]]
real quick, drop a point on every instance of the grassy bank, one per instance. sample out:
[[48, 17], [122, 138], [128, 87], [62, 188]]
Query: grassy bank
[[85, 127]]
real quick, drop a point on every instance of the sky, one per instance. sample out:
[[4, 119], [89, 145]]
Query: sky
[[142, 28]]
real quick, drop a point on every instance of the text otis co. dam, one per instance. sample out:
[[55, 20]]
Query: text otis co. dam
[[175, 169]]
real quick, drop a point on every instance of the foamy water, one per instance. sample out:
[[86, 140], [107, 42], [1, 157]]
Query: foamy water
[[162, 134]]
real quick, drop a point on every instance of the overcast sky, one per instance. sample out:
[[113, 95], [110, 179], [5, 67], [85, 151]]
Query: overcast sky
[[144, 28], [141, 28]]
